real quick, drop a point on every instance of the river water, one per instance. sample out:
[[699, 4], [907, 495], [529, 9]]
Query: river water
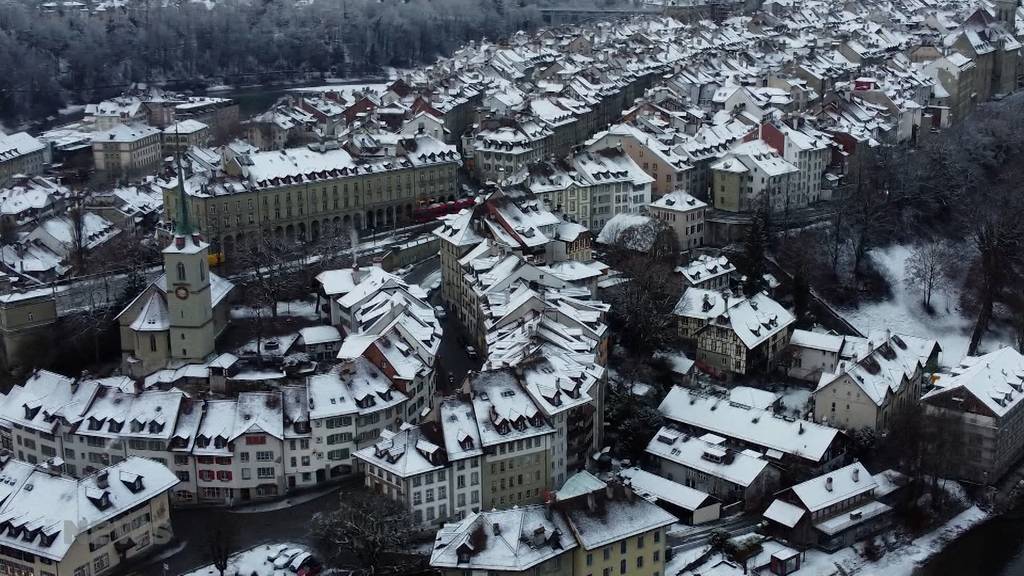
[[992, 548]]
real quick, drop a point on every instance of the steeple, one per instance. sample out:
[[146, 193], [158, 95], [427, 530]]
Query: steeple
[[182, 227]]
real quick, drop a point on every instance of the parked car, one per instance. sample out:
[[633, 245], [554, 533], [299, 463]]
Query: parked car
[[440, 312], [285, 558], [471, 352]]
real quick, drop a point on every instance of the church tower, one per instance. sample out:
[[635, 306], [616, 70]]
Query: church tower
[[189, 302]]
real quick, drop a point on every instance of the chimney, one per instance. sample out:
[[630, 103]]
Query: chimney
[[609, 491], [496, 528], [539, 536], [856, 474], [103, 479], [828, 484], [591, 502], [627, 487]]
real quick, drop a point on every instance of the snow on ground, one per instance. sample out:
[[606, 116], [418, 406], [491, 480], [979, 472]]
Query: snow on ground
[[431, 279], [795, 398], [900, 562], [282, 504], [251, 561], [904, 313], [295, 308], [682, 559]]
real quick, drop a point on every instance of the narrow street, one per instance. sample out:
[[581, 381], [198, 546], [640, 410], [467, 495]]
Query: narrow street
[[452, 359]]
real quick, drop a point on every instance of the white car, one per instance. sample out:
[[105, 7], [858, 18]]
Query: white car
[[276, 551], [471, 352], [286, 558], [439, 312]]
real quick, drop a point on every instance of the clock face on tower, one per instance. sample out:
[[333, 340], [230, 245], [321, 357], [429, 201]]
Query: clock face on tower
[[181, 292]]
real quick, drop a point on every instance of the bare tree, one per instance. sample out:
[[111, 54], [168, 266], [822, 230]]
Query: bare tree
[[926, 270], [221, 542], [365, 532], [642, 306]]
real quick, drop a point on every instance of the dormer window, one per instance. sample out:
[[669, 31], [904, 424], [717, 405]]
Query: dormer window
[[136, 426], [31, 411], [132, 481], [99, 498], [95, 424], [202, 441], [155, 427], [220, 442]]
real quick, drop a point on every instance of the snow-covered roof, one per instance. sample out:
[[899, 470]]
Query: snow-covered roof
[[995, 380], [504, 410], [705, 457], [798, 438], [678, 201], [657, 488], [124, 133], [834, 487], [784, 513], [53, 511], [816, 341], [705, 267], [405, 453], [880, 370], [18, 144], [623, 517], [459, 427], [353, 387], [512, 540], [319, 335]]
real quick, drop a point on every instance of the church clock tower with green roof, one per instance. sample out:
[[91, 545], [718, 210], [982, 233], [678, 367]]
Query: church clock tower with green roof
[[189, 300]]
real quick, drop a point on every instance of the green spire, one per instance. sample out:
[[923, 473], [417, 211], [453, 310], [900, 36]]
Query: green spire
[[182, 227]]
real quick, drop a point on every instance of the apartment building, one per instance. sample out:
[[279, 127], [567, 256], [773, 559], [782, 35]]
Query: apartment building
[[392, 324], [799, 447], [127, 149], [407, 467], [978, 405], [517, 440], [502, 150], [871, 385], [684, 214], [618, 531], [807, 149], [257, 446], [590, 527], [753, 176], [734, 334], [25, 201], [708, 272], [181, 136], [55, 525], [20, 153], [617, 184], [668, 169], [303, 194], [706, 464], [521, 540], [831, 511], [465, 453]]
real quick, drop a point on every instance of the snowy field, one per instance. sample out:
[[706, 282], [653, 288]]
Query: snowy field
[[904, 313], [254, 562]]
